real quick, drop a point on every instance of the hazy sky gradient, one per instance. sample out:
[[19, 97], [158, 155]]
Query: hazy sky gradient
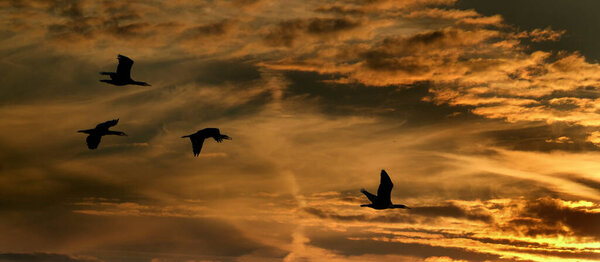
[[484, 113]]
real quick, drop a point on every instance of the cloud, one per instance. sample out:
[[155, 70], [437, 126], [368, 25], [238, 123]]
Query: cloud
[[543, 137], [286, 32], [356, 247], [549, 216], [39, 257], [450, 210], [442, 259], [208, 30], [491, 143], [594, 137], [539, 35]]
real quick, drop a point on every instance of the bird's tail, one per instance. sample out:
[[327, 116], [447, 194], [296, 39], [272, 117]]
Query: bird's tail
[[221, 137], [186, 136], [106, 73], [364, 205]]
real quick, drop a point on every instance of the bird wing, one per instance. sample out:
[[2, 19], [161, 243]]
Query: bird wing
[[124, 67], [93, 141], [384, 191], [215, 133], [371, 197], [107, 124], [197, 144], [209, 132]]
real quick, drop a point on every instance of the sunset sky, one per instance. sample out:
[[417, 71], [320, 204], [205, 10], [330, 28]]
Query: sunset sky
[[485, 114]]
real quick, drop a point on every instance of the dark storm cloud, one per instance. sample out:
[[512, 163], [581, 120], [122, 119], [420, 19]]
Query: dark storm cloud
[[44, 257]]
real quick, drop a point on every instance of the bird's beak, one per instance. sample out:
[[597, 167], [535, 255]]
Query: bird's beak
[[124, 134]]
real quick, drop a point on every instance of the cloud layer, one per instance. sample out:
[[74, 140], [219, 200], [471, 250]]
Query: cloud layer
[[492, 142]]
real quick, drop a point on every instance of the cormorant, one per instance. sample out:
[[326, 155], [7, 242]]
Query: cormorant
[[383, 199], [101, 130], [123, 75], [198, 138]]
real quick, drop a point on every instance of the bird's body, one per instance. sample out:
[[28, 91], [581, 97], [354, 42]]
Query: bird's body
[[383, 199], [198, 138], [95, 135], [123, 75]]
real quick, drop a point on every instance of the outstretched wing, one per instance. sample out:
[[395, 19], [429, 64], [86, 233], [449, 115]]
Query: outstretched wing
[[384, 191], [197, 144], [214, 133], [107, 124], [209, 132], [371, 197], [124, 67], [93, 141]]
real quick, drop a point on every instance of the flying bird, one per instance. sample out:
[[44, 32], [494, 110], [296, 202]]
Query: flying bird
[[198, 138], [93, 139], [123, 75], [383, 199]]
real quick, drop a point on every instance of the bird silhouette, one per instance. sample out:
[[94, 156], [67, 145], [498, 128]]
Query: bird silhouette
[[123, 75], [383, 199], [93, 139], [198, 138]]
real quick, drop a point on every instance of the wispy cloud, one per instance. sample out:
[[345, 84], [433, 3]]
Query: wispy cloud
[[492, 143]]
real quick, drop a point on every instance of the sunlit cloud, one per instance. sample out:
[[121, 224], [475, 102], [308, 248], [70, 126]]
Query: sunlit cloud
[[492, 143]]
